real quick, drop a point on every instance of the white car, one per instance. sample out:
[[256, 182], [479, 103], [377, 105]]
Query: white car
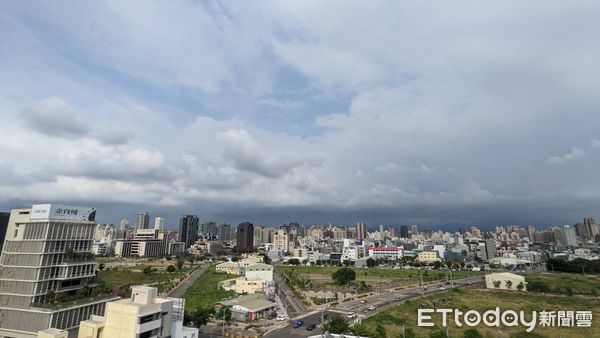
[[371, 308], [351, 315], [282, 318]]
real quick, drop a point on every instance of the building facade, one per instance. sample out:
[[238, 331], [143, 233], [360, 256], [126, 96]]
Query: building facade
[[47, 262], [245, 237], [142, 220], [188, 229]]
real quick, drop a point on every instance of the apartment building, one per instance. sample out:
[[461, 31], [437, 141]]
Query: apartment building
[[46, 265]]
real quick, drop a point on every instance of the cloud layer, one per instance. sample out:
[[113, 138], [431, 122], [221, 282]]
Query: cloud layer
[[393, 112]]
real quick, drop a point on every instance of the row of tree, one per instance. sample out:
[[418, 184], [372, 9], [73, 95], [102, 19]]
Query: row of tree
[[578, 265]]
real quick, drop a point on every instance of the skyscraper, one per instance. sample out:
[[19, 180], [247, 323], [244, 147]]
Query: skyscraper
[[414, 229], [209, 230], [361, 231], [142, 220], [404, 231], [47, 263], [569, 236], [245, 237], [159, 223], [188, 229], [381, 228], [225, 232]]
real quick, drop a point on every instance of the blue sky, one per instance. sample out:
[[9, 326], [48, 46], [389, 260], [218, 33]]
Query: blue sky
[[386, 111]]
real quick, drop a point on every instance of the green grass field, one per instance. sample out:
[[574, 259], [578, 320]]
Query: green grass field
[[560, 282], [134, 276], [481, 300], [204, 292]]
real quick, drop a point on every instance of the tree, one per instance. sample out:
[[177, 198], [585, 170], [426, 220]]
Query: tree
[[200, 317], [224, 312], [170, 268], [380, 331], [472, 333], [101, 266], [437, 265], [81, 293], [191, 259], [344, 276], [520, 286], [337, 324], [497, 283], [148, 270], [508, 283], [179, 264], [294, 261], [266, 259], [538, 285], [371, 263], [438, 334]]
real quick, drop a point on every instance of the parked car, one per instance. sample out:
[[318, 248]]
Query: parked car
[[282, 318], [371, 308], [351, 315], [362, 301], [297, 324], [311, 327], [424, 288], [397, 297], [442, 288]]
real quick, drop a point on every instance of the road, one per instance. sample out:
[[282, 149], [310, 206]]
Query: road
[[180, 289], [380, 301], [293, 305]]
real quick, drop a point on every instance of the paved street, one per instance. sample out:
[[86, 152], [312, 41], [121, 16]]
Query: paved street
[[379, 301], [293, 305], [180, 290]]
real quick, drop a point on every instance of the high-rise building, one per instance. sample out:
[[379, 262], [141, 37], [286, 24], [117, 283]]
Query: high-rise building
[[258, 232], [569, 237], [225, 232], [4, 216], [245, 237], [361, 231], [209, 231], [414, 230], [188, 229], [381, 228], [159, 223], [47, 263], [142, 220], [404, 231], [124, 224], [281, 240], [591, 228]]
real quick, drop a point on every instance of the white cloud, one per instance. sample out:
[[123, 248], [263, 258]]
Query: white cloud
[[573, 155], [595, 143]]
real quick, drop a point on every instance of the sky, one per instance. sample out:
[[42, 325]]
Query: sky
[[396, 112]]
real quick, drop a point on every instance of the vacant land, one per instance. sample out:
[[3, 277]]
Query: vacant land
[[320, 277], [568, 283], [205, 292], [393, 319], [135, 275]]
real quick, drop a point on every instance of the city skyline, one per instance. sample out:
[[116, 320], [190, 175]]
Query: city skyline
[[274, 112]]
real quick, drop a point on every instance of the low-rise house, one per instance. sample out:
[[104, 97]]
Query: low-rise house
[[248, 308]]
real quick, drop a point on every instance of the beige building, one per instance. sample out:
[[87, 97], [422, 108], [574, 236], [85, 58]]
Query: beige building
[[504, 281], [243, 285], [428, 257], [142, 315], [227, 267], [53, 333]]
